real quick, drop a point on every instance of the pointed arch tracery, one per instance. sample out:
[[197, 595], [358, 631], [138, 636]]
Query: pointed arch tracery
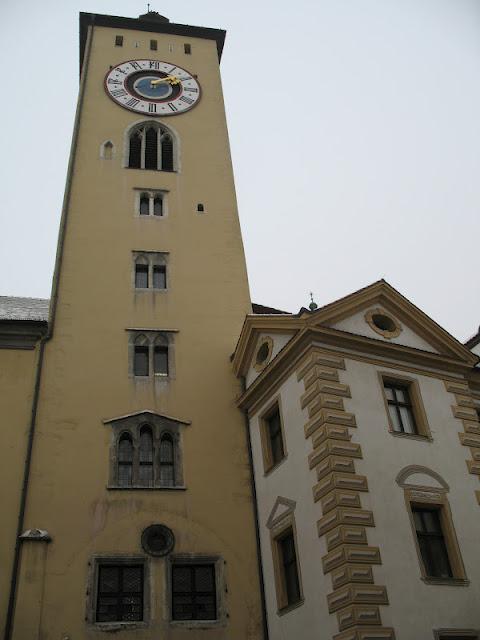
[[151, 145]]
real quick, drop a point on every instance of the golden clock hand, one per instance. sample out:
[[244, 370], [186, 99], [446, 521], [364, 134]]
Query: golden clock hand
[[169, 79]]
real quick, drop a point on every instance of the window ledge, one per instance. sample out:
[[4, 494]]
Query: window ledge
[[138, 488], [119, 626], [451, 582], [275, 466], [153, 289], [197, 624], [290, 607], [156, 171], [411, 436]]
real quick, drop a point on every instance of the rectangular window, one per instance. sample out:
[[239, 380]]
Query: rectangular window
[[194, 592], [141, 276], [160, 359], [289, 567], [119, 41], [187, 48], [400, 408], [119, 593], [271, 433], [159, 277], [140, 365], [153, 45], [432, 542]]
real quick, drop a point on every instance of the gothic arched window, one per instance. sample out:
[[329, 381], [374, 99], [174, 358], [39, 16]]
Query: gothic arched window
[[125, 461], [145, 458], [167, 461], [151, 146]]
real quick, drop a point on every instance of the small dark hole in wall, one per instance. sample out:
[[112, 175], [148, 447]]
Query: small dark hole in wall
[[119, 41], [200, 208], [187, 48], [263, 353], [153, 45]]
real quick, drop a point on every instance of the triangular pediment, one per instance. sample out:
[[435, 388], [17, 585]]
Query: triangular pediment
[[282, 508], [146, 415], [381, 313]]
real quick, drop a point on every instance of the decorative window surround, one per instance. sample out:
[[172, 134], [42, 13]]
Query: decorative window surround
[[92, 591], [192, 559], [161, 426], [150, 339], [152, 195], [282, 526], [456, 634], [383, 323], [263, 353], [151, 146], [434, 498], [417, 409], [151, 260]]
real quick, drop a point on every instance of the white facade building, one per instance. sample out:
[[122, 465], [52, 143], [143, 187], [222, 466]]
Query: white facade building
[[363, 419]]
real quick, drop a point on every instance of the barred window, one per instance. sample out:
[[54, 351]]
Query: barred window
[[151, 147], [120, 593], [194, 592]]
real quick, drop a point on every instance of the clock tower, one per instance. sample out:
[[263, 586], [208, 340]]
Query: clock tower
[[138, 509]]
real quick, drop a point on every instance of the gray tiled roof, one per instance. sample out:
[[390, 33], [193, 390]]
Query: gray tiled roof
[[23, 308]]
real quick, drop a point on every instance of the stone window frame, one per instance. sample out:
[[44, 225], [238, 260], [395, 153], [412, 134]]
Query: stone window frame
[[220, 588], [151, 194], [444, 634], [152, 338], [268, 465], [436, 497], [279, 527], [169, 130], [266, 341], [420, 415], [385, 333], [160, 426], [151, 259], [92, 591]]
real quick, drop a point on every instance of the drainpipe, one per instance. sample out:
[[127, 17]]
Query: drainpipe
[[257, 528], [38, 374]]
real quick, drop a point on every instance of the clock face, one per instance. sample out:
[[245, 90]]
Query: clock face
[[152, 87]]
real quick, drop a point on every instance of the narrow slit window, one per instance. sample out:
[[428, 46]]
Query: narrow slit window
[[167, 469], [125, 461], [167, 152], [146, 458], [119, 41], [151, 151], [159, 277], [289, 568], [144, 205], [153, 45], [135, 151], [158, 206], [141, 361], [200, 208], [160, 360], [275, 437], [141, 276], [187, 48]]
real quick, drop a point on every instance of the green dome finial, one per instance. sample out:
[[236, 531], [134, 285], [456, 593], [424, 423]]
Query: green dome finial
[[313, 305]]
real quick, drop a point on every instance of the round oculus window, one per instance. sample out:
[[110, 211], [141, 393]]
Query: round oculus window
[[263, 354], [383, 324], [158, 540]]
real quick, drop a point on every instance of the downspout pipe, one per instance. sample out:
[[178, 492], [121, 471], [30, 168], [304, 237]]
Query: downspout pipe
[[257, 527], [39, 368]]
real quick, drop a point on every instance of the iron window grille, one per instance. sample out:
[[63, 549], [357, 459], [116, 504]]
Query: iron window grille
[[119, 593], [194, 592]]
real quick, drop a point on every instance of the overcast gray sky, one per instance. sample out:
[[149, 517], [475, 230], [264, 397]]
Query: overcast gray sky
[[355, 134]]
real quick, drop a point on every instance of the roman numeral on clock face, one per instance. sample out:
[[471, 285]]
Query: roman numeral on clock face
[[172, 106], [154, 64], [152, 108], [112, 81], [135, 65], [118, 93], [191, 89], [187, 100], [132, 102]]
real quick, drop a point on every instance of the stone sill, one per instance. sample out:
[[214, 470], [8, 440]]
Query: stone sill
[[410, 436], [275, 466], [449, 582], [118, 626], [287, 609], [135, 488]]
